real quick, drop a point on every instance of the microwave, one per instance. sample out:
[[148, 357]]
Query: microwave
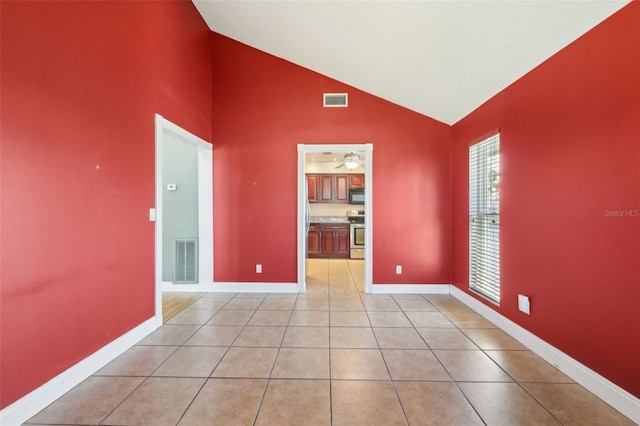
[[356, 196]]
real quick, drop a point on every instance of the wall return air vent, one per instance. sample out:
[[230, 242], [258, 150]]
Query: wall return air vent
[[186, 266], [335, 100]]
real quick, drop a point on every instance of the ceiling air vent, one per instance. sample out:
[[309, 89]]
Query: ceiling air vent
[[335, 100]]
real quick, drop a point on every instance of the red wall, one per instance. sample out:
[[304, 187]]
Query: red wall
[[81, 82], [262, 108], [570, 152]]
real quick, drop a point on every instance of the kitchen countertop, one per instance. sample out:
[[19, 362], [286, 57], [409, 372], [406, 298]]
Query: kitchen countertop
[[328, 219]]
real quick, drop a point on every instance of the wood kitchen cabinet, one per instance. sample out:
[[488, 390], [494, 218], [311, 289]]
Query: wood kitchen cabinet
[[341, 189], [312, 188], [328, 188], [328, 240], [314, 248], [325, 188], [341, 248], [356, 181]]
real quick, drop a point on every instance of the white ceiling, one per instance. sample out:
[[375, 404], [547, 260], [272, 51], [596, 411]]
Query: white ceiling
[[442, 58]]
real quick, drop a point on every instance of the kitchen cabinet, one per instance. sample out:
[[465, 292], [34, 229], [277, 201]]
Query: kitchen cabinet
[[341, 248], [328, 240], [328, 188], [325, 188], [356, 181], [313, 240], [312, 188], [341, 189]]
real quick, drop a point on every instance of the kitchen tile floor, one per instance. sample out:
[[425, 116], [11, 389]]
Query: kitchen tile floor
[[331, 356]]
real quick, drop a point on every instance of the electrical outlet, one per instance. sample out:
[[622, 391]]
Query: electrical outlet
[[398, 269], [258, 268], [523, 304]]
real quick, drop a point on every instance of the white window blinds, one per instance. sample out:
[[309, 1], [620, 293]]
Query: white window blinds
[[484, 218]]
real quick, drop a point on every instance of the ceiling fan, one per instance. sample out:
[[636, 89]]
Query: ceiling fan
[[351, 161]]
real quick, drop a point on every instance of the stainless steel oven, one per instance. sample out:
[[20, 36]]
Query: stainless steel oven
[[357, 240]]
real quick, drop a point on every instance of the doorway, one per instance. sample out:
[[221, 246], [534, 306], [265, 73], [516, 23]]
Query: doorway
[[338, 278], [365, 151], [197, 185]]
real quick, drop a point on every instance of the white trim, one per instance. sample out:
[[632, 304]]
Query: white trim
[[603, 388], [205, 205], [32, 403], [293, 288], [367, 150], [255, 287], [159, 122], [205, 213], [302, 221], [231, 287], [168, 286], [410, 289], [368, 225]]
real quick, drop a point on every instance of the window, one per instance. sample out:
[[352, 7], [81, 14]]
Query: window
[[484, 218]]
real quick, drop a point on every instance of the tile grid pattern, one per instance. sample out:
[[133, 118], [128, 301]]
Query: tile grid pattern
[[331, 356]]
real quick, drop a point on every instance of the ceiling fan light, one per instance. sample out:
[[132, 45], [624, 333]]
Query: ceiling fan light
[[351, 160]]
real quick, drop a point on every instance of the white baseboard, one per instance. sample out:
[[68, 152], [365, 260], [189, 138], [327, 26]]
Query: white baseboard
[[410, 288], [603, 388], [255, 287], [232, 287], [32, 403], [239, 287], [200, 287]]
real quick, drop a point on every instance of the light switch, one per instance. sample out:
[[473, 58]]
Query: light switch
[[524, 304], [172, 187]]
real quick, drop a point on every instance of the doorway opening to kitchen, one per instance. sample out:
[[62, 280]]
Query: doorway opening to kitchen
[[335, 215]]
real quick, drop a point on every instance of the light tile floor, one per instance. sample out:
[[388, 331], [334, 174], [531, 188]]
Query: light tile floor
[[331, 356]]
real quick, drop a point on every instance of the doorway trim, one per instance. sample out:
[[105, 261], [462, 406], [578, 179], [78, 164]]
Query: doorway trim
[[165, 128], [367, 150]]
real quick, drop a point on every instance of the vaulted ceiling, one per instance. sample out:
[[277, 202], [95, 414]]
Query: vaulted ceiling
[[442, 59]]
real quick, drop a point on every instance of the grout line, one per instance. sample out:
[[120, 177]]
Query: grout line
[[386, 365], [331, 298], [194, 398], [124, 399]]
